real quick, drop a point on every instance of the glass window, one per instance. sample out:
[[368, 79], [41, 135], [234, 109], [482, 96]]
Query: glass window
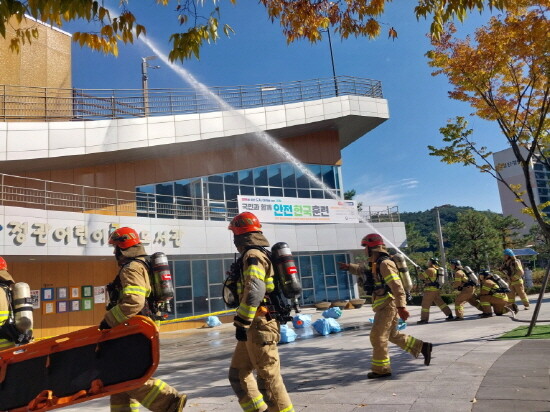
[[316, 170], [331, 280], [318, 277], [304, 266], [182, 188], [215, 191], [165, 189], [328, 176], [217, 305], [184, 309], [200, 286], [232, 177], [303, 193], [216, 274], [184, 294], [216, 291], [317, 194], [247, 190], [231, 192], [332, 294], [538, 166], [289, 178], [302, 181], [260, 176], [215, 178], [245, 177], [330, 267], [182, 273], [290, 193], [275, 191], [307, 283], [308, 296], [274, 175], [262, 191]]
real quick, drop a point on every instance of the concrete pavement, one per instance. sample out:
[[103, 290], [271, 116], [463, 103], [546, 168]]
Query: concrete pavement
[[470, 369]]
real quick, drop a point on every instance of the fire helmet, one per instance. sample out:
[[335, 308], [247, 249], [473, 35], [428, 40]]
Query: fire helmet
[[455, 262], [484, 273], [434, 261], [245, 222], [124, 237], [3, 264], [509, 252], [371, 240]]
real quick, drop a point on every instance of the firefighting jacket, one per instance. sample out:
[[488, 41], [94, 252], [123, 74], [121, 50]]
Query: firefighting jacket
[[134, 289], [429, 277], [489, 287], [6, 279], [384, 273], [513, 268], [255, 282], [460, 279]]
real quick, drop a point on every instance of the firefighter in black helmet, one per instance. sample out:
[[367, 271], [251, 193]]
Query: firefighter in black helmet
[[432, 293], [466, 287]]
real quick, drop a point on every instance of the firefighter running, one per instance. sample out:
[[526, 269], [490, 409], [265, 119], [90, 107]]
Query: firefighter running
[[256, 331], [133, 286], [514, 271], [388, 297], [432, 283], [465, 283]]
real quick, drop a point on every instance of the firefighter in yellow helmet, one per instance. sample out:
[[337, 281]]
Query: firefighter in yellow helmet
[[432, 293], [388, 304], [491, 296], [257, 333], [128, 294], [6, 282], [466, 287], [514, 271]]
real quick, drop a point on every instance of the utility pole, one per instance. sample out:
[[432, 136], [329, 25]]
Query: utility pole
[[440, 236], [332, 61], [145, 83]]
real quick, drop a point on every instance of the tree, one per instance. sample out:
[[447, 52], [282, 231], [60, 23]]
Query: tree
[[504, 76], [507, 228], [474, 240], [300, 19]]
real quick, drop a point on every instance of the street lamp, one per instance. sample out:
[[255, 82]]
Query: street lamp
[[332, 60], [144, 81], [440, 237]]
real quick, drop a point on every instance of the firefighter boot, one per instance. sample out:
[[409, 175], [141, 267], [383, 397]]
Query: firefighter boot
[[427, 352], [374, 375], [450, 317], [178, 404], [515, 308]]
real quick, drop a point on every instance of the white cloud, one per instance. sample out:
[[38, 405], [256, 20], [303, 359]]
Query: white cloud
[[381, 195]]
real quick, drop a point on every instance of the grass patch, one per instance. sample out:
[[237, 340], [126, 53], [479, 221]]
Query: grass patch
[[538, 332]]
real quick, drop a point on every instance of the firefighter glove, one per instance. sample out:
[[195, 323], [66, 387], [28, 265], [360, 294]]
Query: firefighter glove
[[104, 325], [240, 333], [403, 313]]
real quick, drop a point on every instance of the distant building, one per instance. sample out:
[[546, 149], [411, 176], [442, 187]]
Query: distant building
[[511, 171]]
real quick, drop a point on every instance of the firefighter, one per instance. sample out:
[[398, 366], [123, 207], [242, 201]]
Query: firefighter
[[432, 293], [6, 283], [514, 271], [491, 296], [388, 303], [466, 287], [257, 333], [131, 287]]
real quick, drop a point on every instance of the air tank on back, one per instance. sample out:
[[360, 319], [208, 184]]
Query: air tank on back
[[472, 277], [401, 264], [162, 278], [22, 307], [287, 272]]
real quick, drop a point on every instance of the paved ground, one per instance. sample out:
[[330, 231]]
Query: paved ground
[[470, 370]]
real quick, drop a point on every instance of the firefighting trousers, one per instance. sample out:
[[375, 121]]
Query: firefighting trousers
[[155, 395], [429, 297], [516, 288], [496, 303], [466, 295], [384, 329], [259, 353]]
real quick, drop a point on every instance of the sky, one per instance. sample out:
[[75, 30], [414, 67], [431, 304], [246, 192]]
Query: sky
[[389, 165]]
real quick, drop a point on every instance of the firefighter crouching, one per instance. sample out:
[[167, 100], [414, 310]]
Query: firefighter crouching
[[491, 297], [388, 304], [432, 293], [514, 271], [132, 285], [15, 310], [256, 331], [466, 287]]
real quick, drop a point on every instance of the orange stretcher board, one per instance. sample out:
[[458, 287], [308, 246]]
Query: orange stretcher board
[[78, 366]]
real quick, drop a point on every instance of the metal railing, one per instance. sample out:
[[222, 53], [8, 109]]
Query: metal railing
[[20, 103], [49, 195]]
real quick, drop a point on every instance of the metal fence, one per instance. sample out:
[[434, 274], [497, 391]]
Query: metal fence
[[19, 103], [49, 195]]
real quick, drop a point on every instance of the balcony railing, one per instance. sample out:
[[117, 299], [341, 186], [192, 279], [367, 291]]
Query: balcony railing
[[49, 195], [19, 103]]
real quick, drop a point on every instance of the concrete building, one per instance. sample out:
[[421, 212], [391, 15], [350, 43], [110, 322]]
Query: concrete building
[[176, 167], [512, 173]]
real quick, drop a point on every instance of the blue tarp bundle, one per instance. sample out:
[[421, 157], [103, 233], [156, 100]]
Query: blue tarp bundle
[[301, 321], [325, 326], [400, 325], [212, 321], [287, 334], [333, 313]]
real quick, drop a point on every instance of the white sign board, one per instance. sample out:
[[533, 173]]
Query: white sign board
[[294, 210]]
